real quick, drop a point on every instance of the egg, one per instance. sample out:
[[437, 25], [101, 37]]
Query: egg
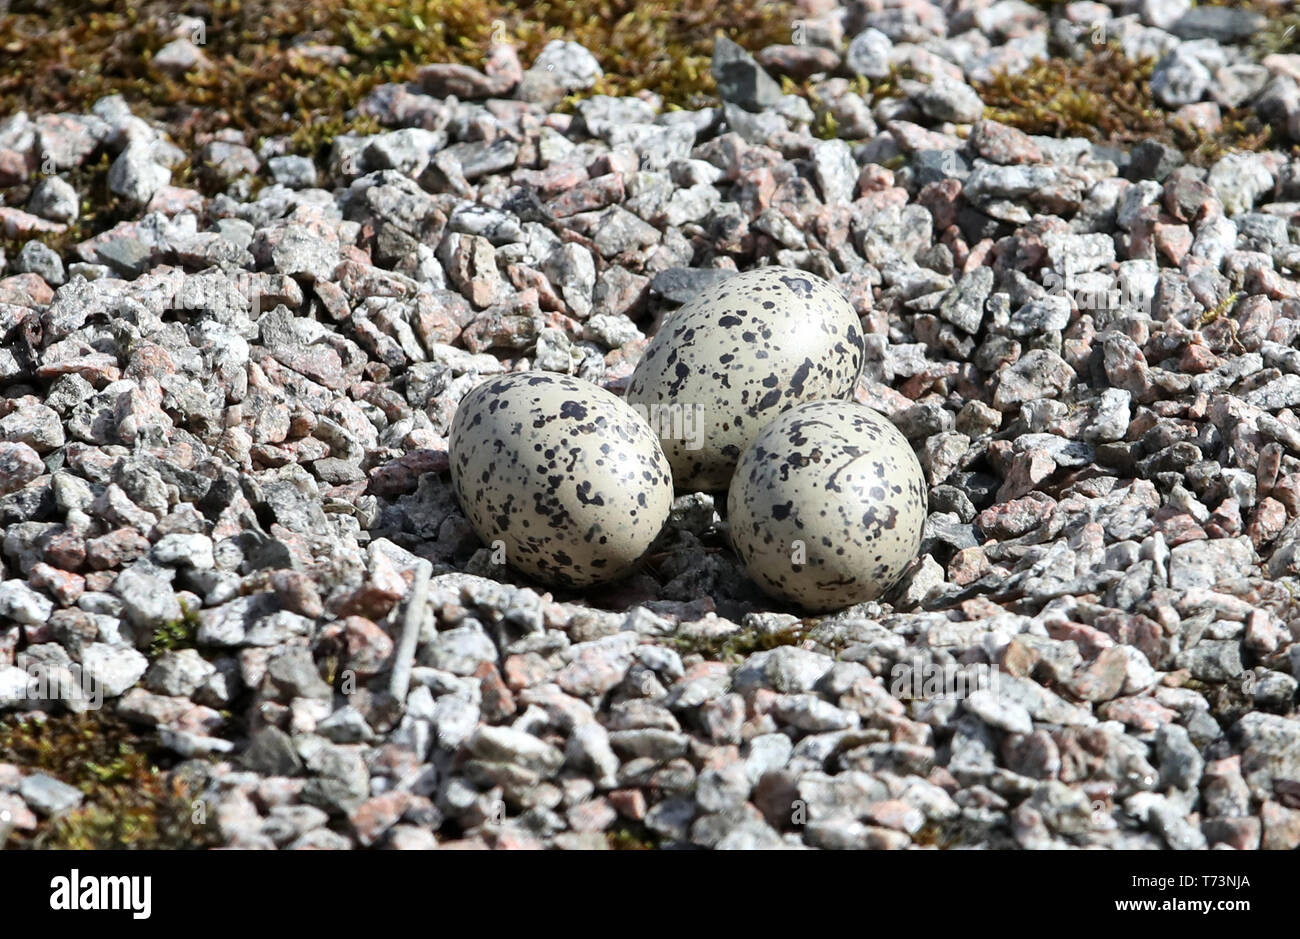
[[827, 505], [733, 358], [559, 474]]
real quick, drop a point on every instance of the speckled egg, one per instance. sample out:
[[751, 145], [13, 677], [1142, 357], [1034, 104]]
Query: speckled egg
[[733, 358], [827, 505], [560, 474]]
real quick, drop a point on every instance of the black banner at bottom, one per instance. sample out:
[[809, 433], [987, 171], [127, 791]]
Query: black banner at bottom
[[145, 890]]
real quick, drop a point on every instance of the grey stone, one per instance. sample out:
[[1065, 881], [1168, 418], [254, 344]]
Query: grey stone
[[113, 668], [1217, 660], [514, 746], [271, 753], [459, 651], [295, 674], [671, 818], [148, 601], [869, 54], [1205, 563], [963, 305], [570, 65], [296, 172], [22, 604], [948, 100], [740, 79], [407, 150], [999, 712], [180, 673], [1222, 24], [835, 171], [1039, 374], [135, 176], [341, 782], [1152, 161], [49, 796], [35, 258], [184, 550], [302, 253], [1180, 762], [1180, 79], [1172, 825], [54, 198]]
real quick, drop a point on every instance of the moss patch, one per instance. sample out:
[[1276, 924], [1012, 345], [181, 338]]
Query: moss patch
[[740, 644], [962, 832], [1103, 96], [632, 836], [1106, 97], [100, 209], [825, 125], [179, 634], [64, 56], [130, 801], [1282, 34], [1228, 701]]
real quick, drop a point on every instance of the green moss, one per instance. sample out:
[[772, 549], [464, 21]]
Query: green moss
[[84, 50], [632, 837], [130, 801], [1220, 309], [827, 127], [891, 86], [963, 833], [740, 644], [1281, 34], [315, 137], [178, 634], [1102, 96], [1281, 599], [1228, 700], [1106, 97], [100, 208]]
